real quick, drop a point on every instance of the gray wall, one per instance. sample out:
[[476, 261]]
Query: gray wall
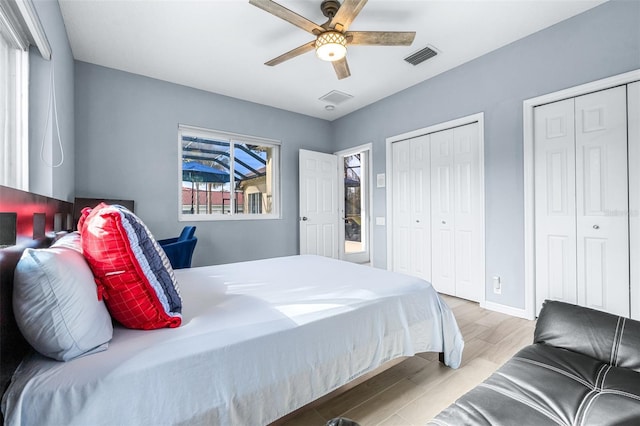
[[55, 182], [599, 43], [126, 128]]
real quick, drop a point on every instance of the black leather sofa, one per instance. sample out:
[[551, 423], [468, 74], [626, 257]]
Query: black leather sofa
[[582, 369]]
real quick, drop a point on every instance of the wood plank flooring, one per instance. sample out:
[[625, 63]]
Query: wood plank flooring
[[417, 389]]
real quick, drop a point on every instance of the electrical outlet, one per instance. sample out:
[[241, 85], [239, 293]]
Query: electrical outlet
[[497, 285]]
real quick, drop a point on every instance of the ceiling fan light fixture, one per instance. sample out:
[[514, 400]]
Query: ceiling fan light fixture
[[331, 46]]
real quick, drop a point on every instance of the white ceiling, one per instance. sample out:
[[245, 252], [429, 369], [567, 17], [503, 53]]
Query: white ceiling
[[221, 45]]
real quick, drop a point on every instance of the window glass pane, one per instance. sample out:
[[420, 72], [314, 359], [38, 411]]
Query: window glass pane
[[222, 177], [206, 181], [253, 174], [13, 116], [353, 203]]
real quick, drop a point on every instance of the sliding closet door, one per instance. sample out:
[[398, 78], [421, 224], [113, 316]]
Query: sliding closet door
[[411, 207], [602, 197], [555, 205]]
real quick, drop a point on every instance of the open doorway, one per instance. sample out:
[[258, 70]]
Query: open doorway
[[355, 204]]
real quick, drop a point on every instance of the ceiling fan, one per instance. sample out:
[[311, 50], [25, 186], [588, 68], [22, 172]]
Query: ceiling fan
[[332, 37]]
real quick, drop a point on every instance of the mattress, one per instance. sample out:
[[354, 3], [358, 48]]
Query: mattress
[[259, 339]]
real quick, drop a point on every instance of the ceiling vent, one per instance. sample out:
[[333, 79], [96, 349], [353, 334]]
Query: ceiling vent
[[335, 97], [421, 55]]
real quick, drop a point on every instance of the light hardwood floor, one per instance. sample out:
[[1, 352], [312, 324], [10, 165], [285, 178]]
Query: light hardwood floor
[[417, 389]]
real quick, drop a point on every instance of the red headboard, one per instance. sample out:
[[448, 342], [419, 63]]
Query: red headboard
[[50, 211], [26, 204]]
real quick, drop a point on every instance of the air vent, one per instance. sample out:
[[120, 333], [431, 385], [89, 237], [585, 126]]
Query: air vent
[[421, 55], [335, 97]]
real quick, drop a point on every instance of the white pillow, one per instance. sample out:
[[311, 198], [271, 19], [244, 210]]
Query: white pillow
[[56, 305], [71, 240]]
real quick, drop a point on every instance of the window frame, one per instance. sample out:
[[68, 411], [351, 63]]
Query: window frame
[[17, 168], [232, 139]]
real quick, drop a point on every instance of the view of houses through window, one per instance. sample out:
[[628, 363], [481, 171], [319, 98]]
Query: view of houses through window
[[225, 175]]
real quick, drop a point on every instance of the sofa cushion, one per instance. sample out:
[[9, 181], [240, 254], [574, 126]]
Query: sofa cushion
[[581, 370], [600, 335], [547, 385]]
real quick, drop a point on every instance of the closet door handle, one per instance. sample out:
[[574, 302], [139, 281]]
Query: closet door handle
[[596, 227]]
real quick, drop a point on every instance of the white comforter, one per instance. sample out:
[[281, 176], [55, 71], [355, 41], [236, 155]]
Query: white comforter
[[259, 340]]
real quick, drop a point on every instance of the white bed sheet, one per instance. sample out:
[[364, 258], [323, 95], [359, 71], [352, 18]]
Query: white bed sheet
[[259, 339]]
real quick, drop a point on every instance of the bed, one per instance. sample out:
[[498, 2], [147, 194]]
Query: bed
[[258, 340]]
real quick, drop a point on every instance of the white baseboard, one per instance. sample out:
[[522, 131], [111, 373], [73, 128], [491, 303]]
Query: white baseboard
[[508, 310]]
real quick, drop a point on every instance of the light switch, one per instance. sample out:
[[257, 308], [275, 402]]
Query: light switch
[[380, 220]]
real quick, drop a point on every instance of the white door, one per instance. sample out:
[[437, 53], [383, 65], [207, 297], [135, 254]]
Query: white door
[[581, 201], [602, 198], [401, 152], [411, 207], [555, 207], [455, 220], [469, 276], [443, 215], [319, 215]]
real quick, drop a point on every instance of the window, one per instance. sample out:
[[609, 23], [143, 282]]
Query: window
[[19, 28], [255, 202], [227, 176], [14, 125]]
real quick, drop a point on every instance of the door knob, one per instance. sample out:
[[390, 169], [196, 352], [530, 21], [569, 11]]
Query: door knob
[[417, 220], [444, 222], [304, 218], [596, 227]]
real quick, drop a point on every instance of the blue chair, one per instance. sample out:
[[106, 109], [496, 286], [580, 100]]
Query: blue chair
[[180, 250]]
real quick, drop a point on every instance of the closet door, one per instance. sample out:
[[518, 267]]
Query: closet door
[[467, 244], [443, 271], [555, 202], [401, 152], [602, 196], [582, 201], [456, 224], [411, 207]]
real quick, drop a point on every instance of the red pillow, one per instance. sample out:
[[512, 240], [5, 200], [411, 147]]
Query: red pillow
[[132, 271]]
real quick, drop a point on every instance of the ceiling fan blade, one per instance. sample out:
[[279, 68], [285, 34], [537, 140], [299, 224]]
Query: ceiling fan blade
[[292, 53], [381, 38], [346, 14], [342, 68], [283, 13]]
